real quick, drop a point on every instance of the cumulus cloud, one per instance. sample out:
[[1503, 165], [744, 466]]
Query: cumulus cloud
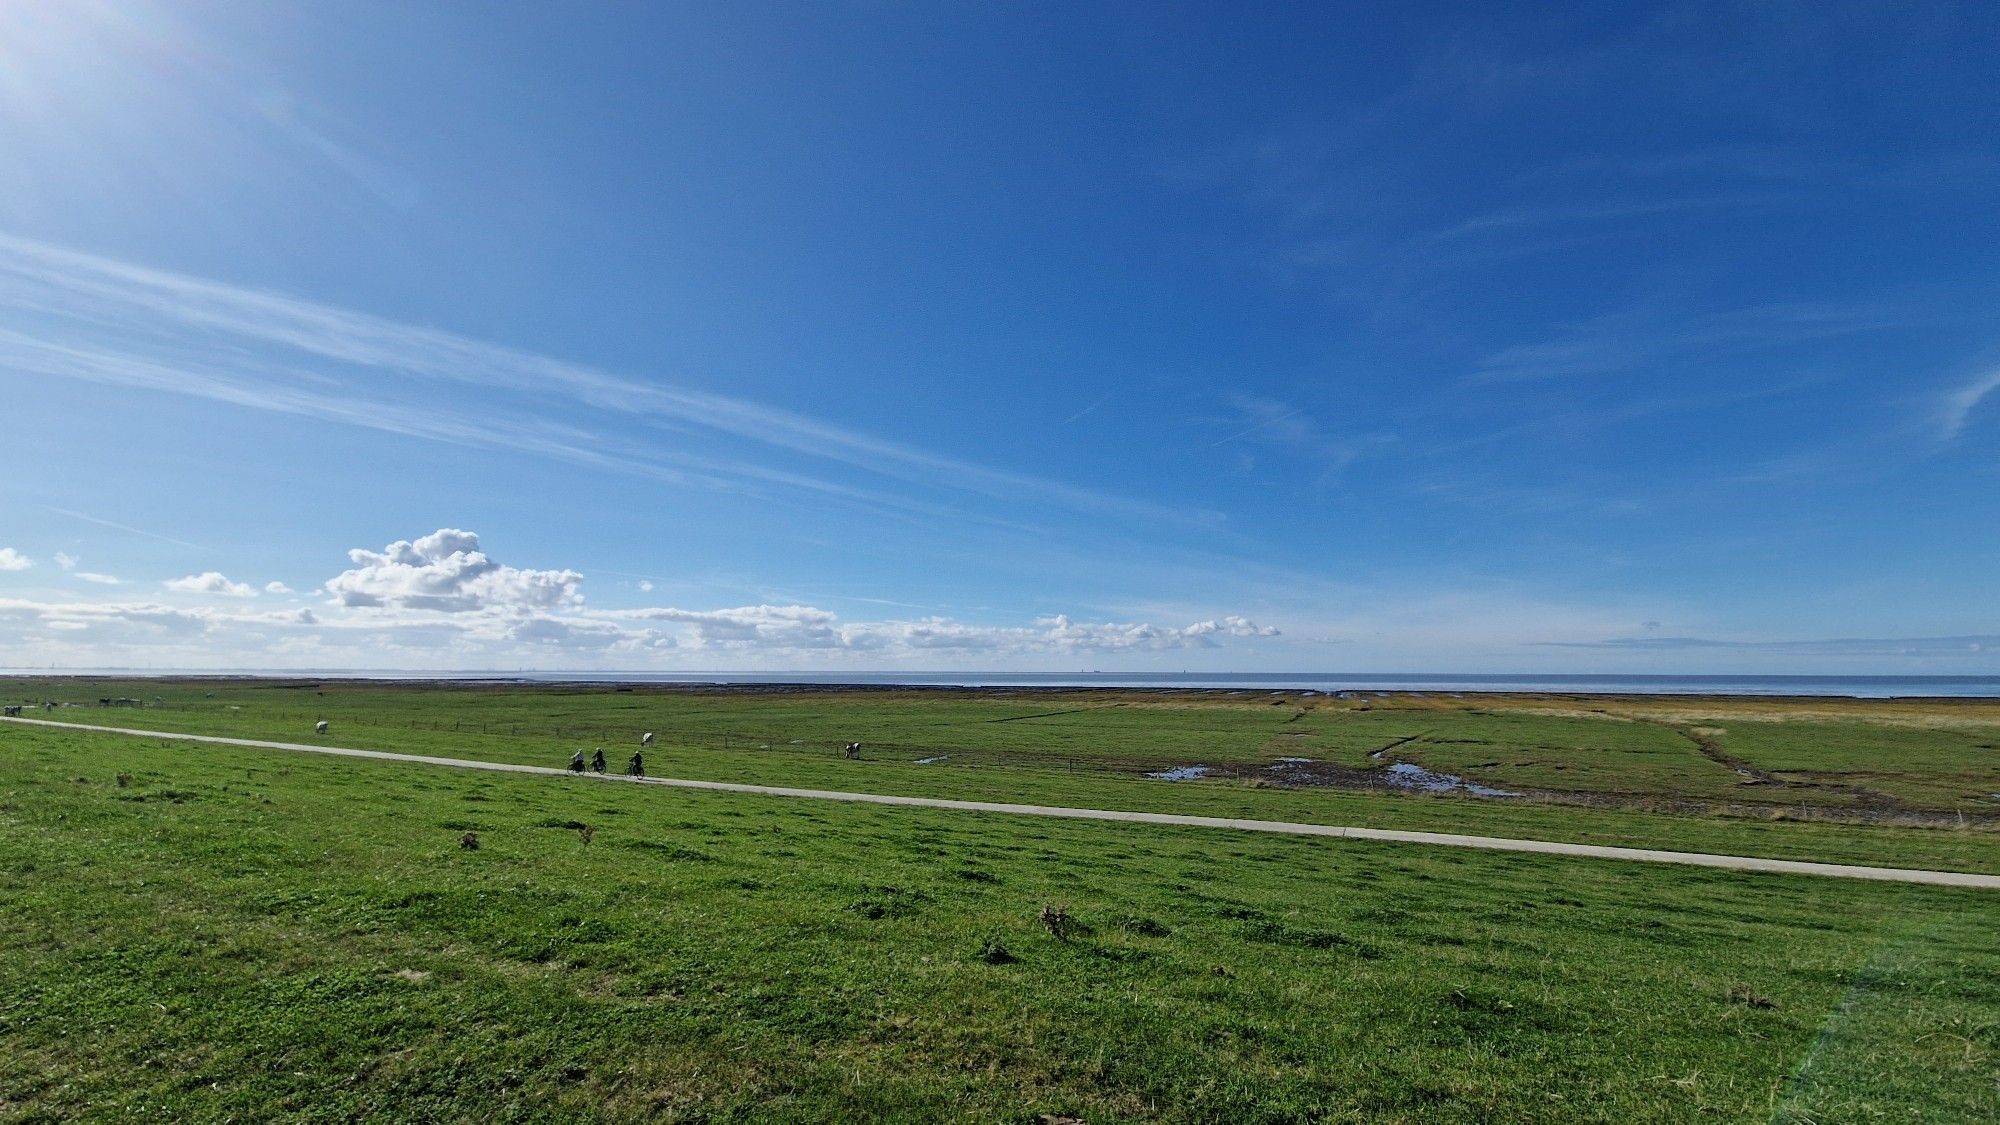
[[446, 571], [66, 560], [10, 559], [98, 579], [276, 588], [210, 582], [645, 585]]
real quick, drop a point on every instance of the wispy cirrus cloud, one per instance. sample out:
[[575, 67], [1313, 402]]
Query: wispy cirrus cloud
[[85, 517], [1640, 338], [1957, 406], [1276, 424], [108, 320]]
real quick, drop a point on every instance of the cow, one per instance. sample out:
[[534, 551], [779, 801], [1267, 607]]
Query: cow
[[646, 739], [319, 727], [853, 750], [12, 711]]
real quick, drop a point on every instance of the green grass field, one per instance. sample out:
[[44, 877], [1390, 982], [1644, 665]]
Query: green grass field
[[236, 933], [203, 932], [1629, 773]]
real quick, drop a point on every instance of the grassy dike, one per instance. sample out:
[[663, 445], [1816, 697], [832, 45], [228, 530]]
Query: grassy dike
[[238, 933]]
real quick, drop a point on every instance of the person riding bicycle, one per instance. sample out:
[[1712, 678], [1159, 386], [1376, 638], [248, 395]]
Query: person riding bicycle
[[576, 762], [597, 760], [638, 766]]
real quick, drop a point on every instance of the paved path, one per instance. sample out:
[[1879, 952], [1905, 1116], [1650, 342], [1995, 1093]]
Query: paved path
[[1445, 839]]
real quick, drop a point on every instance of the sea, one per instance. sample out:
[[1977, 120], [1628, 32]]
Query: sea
[[1857, 687]]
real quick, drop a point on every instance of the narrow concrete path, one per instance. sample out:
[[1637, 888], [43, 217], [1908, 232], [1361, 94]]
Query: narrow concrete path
[[1388, 835]]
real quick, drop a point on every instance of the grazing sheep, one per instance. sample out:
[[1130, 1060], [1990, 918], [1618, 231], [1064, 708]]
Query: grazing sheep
[[646, 739], [319, 727]]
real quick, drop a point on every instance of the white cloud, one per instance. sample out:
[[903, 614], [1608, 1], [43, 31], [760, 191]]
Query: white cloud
[[187, 335], [764, 626], [99, 579], [440, 601], [1956, 409], [276, 588], [66, 561], [645, 585], [806, 628], [1279, 425], [589, 635], [447, 572], [210, 582], [10, 559], [131, 620]]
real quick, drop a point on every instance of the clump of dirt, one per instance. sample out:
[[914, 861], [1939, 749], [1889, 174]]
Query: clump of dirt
[[1057, 921], [1749, 997]]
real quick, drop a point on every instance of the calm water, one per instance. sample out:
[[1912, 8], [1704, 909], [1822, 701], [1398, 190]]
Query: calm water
[[1865, 687]]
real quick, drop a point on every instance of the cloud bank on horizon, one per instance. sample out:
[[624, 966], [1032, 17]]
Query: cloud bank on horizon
[[440, 601]]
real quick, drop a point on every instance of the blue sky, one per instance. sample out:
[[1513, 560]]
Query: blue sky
[[1234, 337]]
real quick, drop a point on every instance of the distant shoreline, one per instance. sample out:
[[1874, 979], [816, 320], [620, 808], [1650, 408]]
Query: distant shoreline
[[1944, 688]]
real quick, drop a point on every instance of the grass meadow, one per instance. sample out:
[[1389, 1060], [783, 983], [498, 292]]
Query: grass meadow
[[210, 933]]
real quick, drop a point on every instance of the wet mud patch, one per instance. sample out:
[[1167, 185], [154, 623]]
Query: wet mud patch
[[1409, 775], [1394, 777]]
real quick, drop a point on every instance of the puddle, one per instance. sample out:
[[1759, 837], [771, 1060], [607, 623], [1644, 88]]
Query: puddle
[[1182, 773], [932, 761], [1430, 781]]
